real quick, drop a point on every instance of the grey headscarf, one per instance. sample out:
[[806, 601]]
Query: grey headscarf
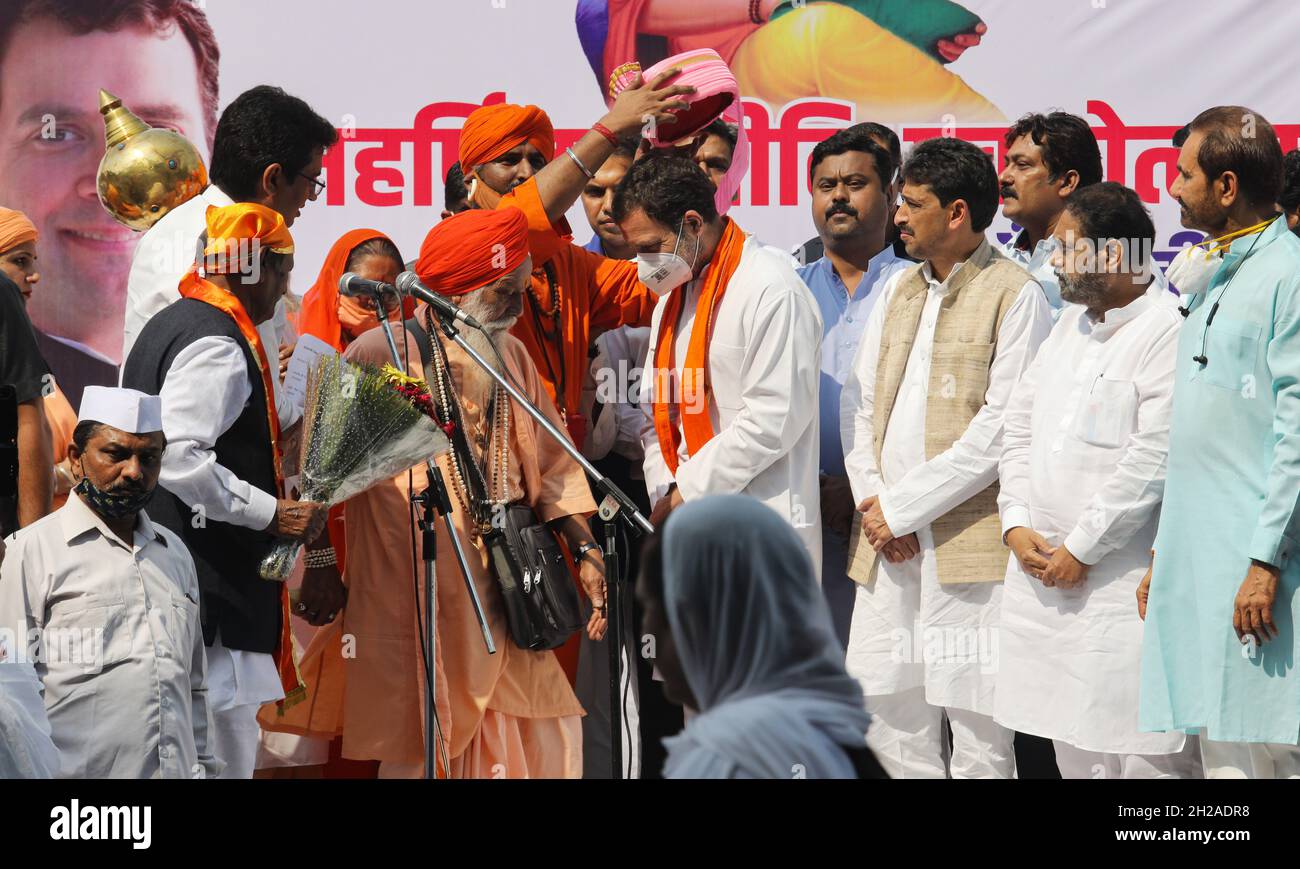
[[758, 648]]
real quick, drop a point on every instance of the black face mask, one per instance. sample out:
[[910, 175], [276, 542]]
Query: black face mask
[[111, 505]]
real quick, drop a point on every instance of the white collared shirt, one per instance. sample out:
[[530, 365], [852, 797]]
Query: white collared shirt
[[113, 630], [1096, 395]]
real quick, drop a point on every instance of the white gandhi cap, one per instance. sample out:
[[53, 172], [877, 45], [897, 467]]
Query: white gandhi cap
[[129, 410]]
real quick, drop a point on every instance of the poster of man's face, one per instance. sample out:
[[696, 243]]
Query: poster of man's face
[[52, 141]]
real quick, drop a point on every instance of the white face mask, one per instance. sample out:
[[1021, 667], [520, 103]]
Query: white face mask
[[665, 272], [1192, 270]]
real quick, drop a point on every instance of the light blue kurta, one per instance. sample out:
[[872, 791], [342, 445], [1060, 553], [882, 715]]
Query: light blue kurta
[[1230, 496]]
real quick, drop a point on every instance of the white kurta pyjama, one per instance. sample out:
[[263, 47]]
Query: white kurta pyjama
[[1086, 440], [763, 377], [909, 630]]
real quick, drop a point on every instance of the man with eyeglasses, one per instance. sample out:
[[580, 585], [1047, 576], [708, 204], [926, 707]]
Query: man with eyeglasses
[[267, 150]]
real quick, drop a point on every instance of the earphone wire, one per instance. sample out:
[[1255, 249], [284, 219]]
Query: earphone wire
[[1202, 359]]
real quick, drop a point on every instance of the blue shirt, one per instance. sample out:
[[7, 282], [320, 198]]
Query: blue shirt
[[844, 319], [1038, 263]]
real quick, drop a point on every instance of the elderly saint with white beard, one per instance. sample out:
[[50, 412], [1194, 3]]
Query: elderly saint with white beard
[[511, 713]]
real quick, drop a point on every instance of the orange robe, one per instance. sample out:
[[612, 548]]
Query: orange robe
[[511, 714], [337, 320], [596, 294]]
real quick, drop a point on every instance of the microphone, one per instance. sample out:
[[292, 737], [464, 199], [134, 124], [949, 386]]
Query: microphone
[[409, 284], [1200, 360], [353, 285]]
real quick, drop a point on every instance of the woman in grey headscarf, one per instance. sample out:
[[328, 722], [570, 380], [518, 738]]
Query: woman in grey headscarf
[[742, 634]]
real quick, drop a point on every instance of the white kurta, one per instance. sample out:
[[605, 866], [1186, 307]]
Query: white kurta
[[163, 256], [204, 392], [118, 644], [1086, 441], [909, 630], [763, 373]]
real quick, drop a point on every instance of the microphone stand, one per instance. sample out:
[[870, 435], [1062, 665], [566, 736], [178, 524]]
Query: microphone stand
[[434, 499], [615, 504]]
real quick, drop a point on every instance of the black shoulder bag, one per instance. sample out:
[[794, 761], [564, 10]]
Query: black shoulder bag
[[537, 589]]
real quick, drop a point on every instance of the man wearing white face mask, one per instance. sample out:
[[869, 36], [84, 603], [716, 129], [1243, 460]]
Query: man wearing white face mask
[[730, 380], [1219, 644], [1192, 270]]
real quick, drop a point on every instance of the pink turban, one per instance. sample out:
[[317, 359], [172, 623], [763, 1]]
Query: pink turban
[[716, 95]]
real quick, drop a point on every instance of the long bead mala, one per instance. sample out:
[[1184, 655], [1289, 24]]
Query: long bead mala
[[497, 447]]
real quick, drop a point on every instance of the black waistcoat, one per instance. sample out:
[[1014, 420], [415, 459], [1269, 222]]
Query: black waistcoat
[[245, 607]]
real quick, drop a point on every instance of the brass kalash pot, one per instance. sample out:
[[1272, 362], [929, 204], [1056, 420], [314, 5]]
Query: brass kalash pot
[[146, 171]]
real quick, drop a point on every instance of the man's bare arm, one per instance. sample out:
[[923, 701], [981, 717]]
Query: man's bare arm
[[560, 182]]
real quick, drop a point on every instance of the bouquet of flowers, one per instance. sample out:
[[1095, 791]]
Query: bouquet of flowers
[[361, 425]]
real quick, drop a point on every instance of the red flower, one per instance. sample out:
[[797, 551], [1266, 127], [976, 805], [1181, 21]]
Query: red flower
[[418, 395]]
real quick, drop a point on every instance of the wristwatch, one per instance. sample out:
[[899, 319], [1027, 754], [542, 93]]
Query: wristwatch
[[581, 551]]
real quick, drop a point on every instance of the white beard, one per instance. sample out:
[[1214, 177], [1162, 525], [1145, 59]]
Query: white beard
[[473, 305], [477, 385]]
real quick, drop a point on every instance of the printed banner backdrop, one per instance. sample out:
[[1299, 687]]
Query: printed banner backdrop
[[398, 79]]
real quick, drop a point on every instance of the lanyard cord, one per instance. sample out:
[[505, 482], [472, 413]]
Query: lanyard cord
[[1202, 359], [1223, 242]]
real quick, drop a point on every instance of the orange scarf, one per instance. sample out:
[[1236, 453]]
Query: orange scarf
[[194, 287], [694, 378], [334, 318]]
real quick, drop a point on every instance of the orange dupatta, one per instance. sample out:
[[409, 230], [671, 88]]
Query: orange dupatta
[[194, 287], [694, 377], [334, 318]]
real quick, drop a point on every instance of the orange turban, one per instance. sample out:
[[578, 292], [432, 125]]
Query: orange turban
[[491, 131], [246, 223], [15, 229], [332, 317], [472, 249]]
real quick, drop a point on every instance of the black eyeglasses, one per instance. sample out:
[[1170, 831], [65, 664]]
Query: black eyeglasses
[[316, 182]]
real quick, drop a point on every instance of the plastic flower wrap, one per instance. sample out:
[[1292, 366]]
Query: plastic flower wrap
[[361, 425]]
